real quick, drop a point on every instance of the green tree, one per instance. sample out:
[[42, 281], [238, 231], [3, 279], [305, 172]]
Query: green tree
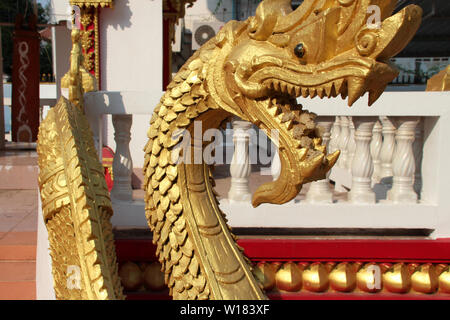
[[8, 11]]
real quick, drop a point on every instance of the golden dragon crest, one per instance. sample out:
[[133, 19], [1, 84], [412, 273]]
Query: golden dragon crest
[[253, 69]]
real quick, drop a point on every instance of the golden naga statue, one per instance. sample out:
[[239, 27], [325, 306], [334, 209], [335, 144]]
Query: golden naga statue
[[253, 69], [75, 199]]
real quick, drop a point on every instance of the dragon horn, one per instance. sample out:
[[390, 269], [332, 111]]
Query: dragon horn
[[266, 17]]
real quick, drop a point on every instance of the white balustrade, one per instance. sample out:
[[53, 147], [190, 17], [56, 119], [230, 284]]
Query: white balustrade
[[351, 144], [375, 150], [403, 163], [275, 168], [122, 163], [418, 155], [240, 166], [362, 165], [389, 142], [388, 146], [343, 142], [320, 191], [335, 134]]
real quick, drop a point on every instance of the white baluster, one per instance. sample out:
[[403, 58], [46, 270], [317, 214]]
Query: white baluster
[[320, 191], [418, 155], [403, 164], [388, 147], [335, 133], [96, 124], [122, 163], [275, 168], [240, 167], [351, 147], [375, 150], [362, 166], [343, 142]]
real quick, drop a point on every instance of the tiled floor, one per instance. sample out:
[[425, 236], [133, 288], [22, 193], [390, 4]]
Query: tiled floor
[[18, 226]]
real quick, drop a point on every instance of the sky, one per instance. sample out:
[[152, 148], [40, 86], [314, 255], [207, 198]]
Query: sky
[[43, 2]]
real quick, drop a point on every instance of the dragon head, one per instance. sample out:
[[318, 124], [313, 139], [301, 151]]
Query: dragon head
[[323, 48]]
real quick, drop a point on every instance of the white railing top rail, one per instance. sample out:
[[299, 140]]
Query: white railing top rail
[[393, 103], [121, 102], [404, 103], [412, 103]]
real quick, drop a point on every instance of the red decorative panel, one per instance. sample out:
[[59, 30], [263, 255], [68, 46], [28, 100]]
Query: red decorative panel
[[25, 82]]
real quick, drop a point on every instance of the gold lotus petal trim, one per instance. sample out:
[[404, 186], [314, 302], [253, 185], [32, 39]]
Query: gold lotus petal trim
[[356, 277]]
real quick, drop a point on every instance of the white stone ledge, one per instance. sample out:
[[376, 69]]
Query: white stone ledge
[[336, 215], [121, 102], [129, 214], [410, 103]]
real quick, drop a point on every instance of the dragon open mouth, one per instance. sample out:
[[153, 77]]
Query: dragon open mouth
[[346, 78]]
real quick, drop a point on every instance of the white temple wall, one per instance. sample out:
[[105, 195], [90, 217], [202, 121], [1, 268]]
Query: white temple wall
[[131, 49], [61, 46]]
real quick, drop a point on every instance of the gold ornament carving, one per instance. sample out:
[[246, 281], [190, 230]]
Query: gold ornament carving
[[289, 277], [440, 82], [255, 69], [265, 274], [89, 39], [153, 277], [92, 3], [131, 276], [75, 200], [345, 277]]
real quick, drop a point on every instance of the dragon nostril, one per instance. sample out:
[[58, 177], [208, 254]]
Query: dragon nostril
[[299, 50]]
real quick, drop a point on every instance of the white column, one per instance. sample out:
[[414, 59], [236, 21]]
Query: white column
[[122, 163], [343, 141], [96, 124], [44, 276], [275, 167], [351, 147], [403, 164], [375, 150], [335, 133], [362, 166], [240, 167], [388, 146], [320, 191], [418, 155]]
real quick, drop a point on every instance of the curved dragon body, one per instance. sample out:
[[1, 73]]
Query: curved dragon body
[[255, 70]]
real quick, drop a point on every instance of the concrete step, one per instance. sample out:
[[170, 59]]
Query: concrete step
[[20, 246], [17, 280], [18, 169], [18, 290]]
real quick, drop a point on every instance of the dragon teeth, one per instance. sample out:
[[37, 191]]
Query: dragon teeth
[[355, 90], [276, 85], [338, 85], [329, 90], [320, 92], [305, 92]]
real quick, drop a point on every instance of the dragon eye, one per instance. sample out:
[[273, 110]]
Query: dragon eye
[[299, 50]]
